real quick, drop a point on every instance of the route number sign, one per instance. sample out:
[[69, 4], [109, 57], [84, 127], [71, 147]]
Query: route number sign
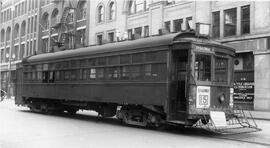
[[203, 97]]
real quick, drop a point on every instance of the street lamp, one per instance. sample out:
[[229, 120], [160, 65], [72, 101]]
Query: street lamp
[[10, 59]]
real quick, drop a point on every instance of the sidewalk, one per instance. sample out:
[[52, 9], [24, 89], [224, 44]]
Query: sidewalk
[[261, 115]]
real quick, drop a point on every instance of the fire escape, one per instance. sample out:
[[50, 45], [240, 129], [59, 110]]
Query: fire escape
[[65, 29]]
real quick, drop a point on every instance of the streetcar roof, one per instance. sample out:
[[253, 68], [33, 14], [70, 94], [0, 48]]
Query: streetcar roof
[[154, 41]]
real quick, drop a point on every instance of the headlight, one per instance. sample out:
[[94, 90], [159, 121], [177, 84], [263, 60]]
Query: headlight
[[222, 98]]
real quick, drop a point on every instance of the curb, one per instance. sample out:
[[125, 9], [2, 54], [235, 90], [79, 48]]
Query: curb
[[258, 115]]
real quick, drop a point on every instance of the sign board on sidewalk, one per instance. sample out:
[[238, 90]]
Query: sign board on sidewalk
[[218, 118]]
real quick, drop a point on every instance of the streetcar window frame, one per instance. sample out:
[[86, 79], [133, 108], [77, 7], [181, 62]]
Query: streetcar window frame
[[196, 76], [226, 70]]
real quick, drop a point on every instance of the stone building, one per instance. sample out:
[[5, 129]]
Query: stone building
[[62, 25], [19, 36]]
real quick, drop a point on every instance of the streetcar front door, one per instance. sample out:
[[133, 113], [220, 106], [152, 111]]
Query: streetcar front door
[[177, 101]]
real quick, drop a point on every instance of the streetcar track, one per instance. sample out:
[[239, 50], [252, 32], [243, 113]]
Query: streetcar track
[[240, 140]]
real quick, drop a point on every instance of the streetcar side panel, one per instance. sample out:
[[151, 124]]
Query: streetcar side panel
[[140, 79], [142, 93]]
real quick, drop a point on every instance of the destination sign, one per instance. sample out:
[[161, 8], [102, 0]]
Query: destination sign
[[202, 48]]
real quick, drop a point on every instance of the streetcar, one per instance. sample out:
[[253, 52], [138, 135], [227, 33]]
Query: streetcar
[[179, 78]]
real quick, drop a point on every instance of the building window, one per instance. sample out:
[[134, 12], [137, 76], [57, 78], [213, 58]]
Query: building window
[[81, 34], [100, 14], [45, 43], [112, 11], [245, 19], [230, 22], [189, 23], [70, 17], [2, 17], [45, 22], [19, 10], [29, 5], [32, 24], [169, 2], [138, 6], [177, 25], [7, 53], [23, 27], [99, 39], [2, 55], [33, 4], [2, 35], [216, 24], [168, 26], [82, 11], [23, 8], [130, 35], [28, 26], [35, 24], [22, 51], [16, 33], [138, 32], [36, 4], [111, 37], [146, 31]]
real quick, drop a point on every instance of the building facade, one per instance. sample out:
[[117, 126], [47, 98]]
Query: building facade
[[19, 36], [71, 24]]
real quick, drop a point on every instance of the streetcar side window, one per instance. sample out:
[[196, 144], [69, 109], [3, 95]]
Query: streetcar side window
[[101, 61], [92, 62], [156, 56], [137, 58], [155, 71], [51, 77], [84, 74], [125, 59], [73, 74], [57, 75], [114, 60], [93, 73], [124, 73], [83, 63], [66, 75], [45, 76], [100, 73], [203, 67], [221, 70], [112, 73], [39, 75], [29, 76], [135, 72]]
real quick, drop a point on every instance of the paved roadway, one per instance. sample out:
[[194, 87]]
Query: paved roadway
[[20, 128]]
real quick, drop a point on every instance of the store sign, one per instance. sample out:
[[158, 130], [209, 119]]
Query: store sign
[[243, 91], [203, 97]]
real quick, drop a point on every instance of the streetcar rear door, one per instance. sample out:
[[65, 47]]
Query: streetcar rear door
[[178, 72]]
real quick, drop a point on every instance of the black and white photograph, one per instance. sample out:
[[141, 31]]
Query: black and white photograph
[[135, 74]]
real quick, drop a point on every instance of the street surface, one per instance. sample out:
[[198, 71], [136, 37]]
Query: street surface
[[20, 128]]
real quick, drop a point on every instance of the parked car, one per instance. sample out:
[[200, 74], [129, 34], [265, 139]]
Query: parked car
[[3, 95]]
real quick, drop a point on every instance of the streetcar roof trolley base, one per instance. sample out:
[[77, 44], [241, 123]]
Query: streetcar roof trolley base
[[236, 123]]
